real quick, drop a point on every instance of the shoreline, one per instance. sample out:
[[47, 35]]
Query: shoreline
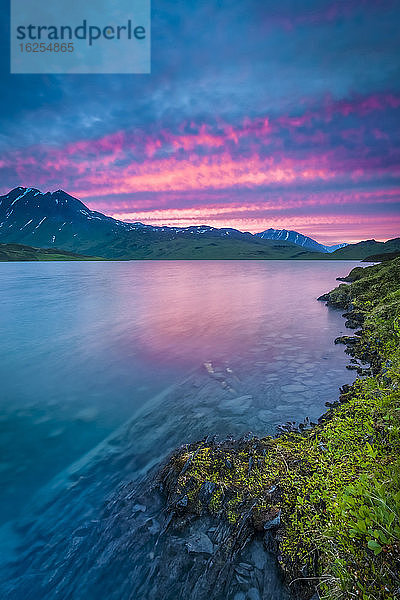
[[293, 490]]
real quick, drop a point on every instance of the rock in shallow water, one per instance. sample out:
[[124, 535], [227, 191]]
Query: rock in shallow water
[[237, 405], [253, 594], [200, 543], [294, 387]]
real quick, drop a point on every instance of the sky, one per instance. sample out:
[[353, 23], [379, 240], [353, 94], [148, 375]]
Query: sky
[[256, 114]]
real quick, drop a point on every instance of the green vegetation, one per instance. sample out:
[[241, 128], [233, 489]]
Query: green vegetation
[[18, 252], [382, 257], [366, 250], [204, 247], [144, 244], [331, 492]]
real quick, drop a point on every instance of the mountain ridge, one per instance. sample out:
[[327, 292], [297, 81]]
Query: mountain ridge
[[288, 235], [58, 220]]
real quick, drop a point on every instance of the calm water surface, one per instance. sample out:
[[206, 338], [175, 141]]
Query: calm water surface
[[85, 346]]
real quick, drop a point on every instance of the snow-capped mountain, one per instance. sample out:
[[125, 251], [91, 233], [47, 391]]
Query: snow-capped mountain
[[58, 220], [299, 239], [52, 219]]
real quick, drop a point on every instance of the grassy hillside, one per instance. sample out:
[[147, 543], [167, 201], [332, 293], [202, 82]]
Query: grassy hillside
[[18, 252], [382, 257], [366, 249], [155, 246], [159, 245], [207, 248], [330, 493]]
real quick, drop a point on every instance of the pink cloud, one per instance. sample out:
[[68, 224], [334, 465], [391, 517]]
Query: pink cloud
[[197, 168]]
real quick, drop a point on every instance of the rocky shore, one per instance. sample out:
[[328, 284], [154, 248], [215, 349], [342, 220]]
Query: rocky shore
[[323, 497]]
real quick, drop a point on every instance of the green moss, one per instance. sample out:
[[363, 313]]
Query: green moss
[[337, 484]]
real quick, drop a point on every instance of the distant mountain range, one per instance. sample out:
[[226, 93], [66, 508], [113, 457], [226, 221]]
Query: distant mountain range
[[285, 235], [56, 220]]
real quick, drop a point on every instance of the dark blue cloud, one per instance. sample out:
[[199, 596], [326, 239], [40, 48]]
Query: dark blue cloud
[[215, 58]]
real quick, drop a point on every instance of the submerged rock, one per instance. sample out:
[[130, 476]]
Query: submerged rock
[[200, 543], [294, 387], [346, 339]]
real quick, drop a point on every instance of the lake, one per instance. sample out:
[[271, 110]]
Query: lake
[[158, 353]]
